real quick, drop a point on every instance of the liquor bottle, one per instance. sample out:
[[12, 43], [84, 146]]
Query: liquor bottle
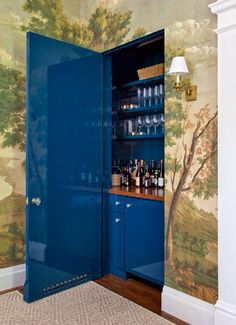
[[142, 171], [161, 175], [138, 175], [152, 172], [122, 178], [126, 177], [147, 179], [156, 176], [133, 176]]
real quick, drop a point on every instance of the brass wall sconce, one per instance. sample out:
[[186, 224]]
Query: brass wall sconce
[[179, 68]]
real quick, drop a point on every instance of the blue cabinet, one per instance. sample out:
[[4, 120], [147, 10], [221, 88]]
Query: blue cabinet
[[144, 239], [117, 236], [136, 238]]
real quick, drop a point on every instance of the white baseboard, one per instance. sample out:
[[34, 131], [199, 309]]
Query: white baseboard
[[12, 277], [187, 308], [225, 313]]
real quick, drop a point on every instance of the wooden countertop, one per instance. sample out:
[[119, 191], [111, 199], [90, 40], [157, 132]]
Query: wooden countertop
[[142, 193]]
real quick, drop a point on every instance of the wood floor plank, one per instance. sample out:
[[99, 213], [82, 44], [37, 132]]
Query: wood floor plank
[[139, 292]]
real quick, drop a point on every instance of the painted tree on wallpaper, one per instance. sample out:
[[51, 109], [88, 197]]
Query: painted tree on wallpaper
[[190, 165], [105, 28], [193, 170]]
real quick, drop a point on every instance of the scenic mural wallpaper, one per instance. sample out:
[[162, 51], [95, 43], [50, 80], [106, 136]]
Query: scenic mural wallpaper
[[191, 127]]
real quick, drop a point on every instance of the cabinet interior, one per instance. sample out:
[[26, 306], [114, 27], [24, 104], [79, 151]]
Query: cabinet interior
[[126, 61]]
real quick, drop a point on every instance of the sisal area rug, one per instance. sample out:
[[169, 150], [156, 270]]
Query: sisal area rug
[[87, 304]]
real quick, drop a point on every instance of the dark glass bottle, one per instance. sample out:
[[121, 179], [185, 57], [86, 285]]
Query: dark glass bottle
[[156, 176], [138, 177], [161, 175], [142, 170], [152, 172]]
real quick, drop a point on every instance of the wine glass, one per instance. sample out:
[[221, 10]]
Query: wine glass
[[139, 95], [139, 123], [149, 95], [162, 121], [148, 123], [156, 121], [161, 92], [156, 94], [145, 96]]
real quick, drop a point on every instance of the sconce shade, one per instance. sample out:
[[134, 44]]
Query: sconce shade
[[178, 66]]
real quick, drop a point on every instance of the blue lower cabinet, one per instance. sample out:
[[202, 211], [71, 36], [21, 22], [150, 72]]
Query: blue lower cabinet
[[144, 239], [136, 238], [116, 236]]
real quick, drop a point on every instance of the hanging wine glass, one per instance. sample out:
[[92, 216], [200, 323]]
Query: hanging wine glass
[[139, 123], [148, 123]]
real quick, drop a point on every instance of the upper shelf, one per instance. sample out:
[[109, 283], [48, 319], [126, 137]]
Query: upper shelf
[[142, 110], [143, 81], [151, 136]]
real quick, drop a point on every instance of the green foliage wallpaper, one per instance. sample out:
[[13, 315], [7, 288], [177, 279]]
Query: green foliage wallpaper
[[190, 154]]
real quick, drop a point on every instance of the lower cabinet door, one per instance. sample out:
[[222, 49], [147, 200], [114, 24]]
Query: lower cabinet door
[[116, 241], [118, 258], [144, 239]]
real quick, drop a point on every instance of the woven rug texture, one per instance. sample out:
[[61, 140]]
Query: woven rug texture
[[87, 304]]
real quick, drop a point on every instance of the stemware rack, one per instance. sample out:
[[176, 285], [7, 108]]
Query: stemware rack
[[127, 106]]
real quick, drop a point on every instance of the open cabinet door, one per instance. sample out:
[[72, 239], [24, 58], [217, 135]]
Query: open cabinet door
[[64, 166]]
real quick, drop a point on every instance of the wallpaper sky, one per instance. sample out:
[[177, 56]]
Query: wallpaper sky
[[12, 40]]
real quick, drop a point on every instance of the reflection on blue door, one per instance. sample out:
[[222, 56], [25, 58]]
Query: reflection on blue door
[[64, 169]]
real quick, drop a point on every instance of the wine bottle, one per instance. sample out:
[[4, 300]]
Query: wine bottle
[[142, 171], [156, 175], [133, 176], [126, 177], [161, 175], [152, 172], [138, 175]]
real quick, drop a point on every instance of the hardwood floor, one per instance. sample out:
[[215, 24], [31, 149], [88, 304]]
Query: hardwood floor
[[139, 292], [135, 290], [10, 290]]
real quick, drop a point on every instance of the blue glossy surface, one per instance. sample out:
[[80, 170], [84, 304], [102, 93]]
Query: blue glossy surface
[[144, 239], [64, 166]]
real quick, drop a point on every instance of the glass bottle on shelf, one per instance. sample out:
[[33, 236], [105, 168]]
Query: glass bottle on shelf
[[161, 175], [138, 175], [152, 172]]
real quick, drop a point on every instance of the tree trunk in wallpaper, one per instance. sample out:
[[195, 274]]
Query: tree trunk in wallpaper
[[187, 164]]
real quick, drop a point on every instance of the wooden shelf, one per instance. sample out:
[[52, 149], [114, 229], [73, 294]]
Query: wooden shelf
[[142, 193]]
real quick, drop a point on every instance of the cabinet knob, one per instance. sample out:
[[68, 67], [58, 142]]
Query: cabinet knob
[[128, 205], [36, 201], [117, 220], [117, 203]]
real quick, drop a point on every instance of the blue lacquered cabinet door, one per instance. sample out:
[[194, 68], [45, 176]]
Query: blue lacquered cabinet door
[[64, 166]]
